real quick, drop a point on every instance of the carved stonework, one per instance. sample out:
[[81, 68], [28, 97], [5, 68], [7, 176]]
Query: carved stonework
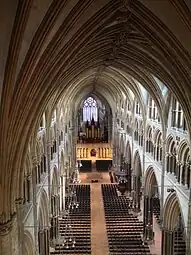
[[19, 201], [122, 39], [6, 227], [123, 16], [125, 4], [109, 61]]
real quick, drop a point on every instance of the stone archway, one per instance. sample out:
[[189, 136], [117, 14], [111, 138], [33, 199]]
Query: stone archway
[[29, 246], [151, 203], [173, 235], [43, 220], [54, 205]]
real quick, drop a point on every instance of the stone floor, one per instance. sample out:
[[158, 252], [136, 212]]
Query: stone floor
[[99, 241], [155, 248]]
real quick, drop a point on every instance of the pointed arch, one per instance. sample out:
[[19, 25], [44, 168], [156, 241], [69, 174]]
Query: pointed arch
[[55, 181], [29, 246], [43, 209], [182, 150], [128, 153], [137, 169], [172, 211], [151, 183], [169, 141], [156, 134]]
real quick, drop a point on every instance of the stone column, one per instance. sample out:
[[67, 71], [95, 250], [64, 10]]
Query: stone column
[[188, 236], [167, 242], [128, 177], [48, 151], [143, 158], [134, 191], [138, 191], [29, 190], [181, 170], [35, 218], [173, 164], [185, 176], [178, 171], [9, 244], [41, 242], [154, 152], [148, 219], [62, 192], [162, 178], [47, 241], [73, 143], [145, 216], [19, 208]]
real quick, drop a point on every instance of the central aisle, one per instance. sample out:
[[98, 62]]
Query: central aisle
[[99, 240]]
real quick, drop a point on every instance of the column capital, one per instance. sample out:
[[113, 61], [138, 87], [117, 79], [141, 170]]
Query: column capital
[[29, 177], [35, 160], [19, 201], [49, 143]]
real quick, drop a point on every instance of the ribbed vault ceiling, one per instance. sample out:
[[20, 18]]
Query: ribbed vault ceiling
[[62, 50]]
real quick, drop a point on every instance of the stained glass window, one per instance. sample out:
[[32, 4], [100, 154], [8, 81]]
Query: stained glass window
[[90, 109]]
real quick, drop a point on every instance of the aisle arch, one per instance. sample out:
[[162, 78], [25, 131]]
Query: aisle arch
[[137, 167], [29, 246], [151, 184], [172, 210]]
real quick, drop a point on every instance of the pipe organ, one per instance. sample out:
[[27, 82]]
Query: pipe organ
[[93, 132]]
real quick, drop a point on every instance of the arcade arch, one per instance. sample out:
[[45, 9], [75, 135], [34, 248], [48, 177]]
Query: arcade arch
[[173, 233], [43, 223], [137, 180], [152, 192], [54, 205], [29, 246]]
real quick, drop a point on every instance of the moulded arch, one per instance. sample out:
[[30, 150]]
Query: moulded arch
[[150, 133], [62, 162], [29, 245], [170, 138], [54, 181], [38, 150], [137, 168], [28, 165], [43, 209], [183, 146], [122, 144], [151, 182], [128, 153], [172, 210], [156, 134]]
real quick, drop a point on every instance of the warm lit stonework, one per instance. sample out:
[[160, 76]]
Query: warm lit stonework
[[95, 102]]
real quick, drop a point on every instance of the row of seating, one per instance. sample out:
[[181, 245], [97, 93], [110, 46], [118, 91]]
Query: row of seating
[[77, 227], [156, 209], [123, 228], [179, 243]]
